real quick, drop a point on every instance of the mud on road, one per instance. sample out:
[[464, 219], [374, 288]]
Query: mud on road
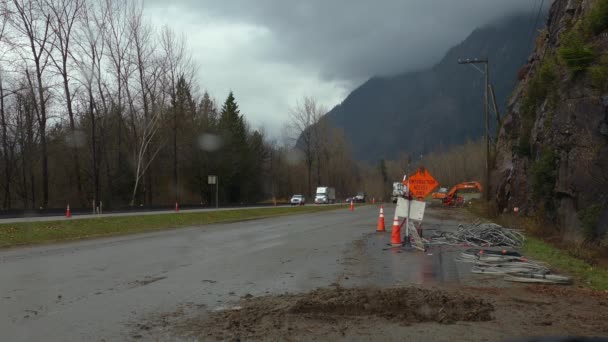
[[395, 314], [281, 316]]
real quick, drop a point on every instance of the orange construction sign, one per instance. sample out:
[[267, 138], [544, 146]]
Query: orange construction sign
[[422, 183]]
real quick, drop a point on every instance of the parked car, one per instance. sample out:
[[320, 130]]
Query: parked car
[[349, 199], [297, 200]]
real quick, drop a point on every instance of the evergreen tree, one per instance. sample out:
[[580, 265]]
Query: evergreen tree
[[255, 162], [204, 160], [233, 159], [183, 111]]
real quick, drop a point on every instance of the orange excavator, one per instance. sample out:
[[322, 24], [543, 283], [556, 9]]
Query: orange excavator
[[451, 197]]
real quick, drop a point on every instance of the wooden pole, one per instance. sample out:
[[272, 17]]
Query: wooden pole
[[487, 108]]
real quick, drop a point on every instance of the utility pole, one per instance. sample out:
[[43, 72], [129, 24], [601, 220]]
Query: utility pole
[[484, 61]]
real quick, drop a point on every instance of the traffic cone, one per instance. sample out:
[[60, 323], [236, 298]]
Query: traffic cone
[[68, 212], [380, 227], [176, 207], [373, 200], [352, 205], [396, 232]]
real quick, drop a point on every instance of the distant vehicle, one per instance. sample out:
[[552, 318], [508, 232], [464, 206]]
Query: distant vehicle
[[297, 200], [398, 191], [360, 198], [348, 199], [325, 195]]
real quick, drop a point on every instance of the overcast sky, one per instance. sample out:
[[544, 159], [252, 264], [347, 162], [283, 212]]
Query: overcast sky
[[273, 52]]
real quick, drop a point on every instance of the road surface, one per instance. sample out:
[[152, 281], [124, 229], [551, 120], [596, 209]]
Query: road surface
[[78, 216], [97, 290]]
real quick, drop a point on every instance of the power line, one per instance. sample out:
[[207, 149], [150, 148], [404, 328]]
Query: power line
[[531, 39], [533, 30]]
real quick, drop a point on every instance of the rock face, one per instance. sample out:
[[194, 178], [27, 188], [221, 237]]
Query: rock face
[[552, 153]]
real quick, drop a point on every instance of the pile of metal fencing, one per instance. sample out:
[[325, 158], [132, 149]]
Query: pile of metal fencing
[[480, 234], [512, 266]]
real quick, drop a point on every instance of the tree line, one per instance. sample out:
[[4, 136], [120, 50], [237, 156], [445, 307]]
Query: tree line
[[98, 105]]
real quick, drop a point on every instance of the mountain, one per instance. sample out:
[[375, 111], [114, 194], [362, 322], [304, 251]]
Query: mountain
[[418, 112], [552, 149]]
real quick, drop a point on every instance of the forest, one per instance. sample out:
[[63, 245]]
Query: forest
[[100, 107]]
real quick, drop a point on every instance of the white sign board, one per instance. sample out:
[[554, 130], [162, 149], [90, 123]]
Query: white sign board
[[212, 179], [416, 209]]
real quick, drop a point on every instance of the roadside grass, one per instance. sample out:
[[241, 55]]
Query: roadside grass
[[583, 261], [32, 233], [589, 276]]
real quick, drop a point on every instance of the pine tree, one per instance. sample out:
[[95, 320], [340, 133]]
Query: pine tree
[[183, 110], [204, 161], [233, 159]]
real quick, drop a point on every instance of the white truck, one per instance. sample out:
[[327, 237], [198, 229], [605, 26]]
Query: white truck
[[398, 191], [325, 195]]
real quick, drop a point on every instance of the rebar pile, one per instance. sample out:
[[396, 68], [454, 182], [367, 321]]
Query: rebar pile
[[512, 266], [481, 234]]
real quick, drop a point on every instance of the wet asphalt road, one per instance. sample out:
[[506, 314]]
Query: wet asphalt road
[[98, 290], [79, 216]]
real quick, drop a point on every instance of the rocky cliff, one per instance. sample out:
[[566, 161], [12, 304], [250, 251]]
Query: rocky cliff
[[552, 150]]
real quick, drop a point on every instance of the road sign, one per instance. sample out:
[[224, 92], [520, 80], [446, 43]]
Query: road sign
[[422, 183], [415, 209], [212, 179]]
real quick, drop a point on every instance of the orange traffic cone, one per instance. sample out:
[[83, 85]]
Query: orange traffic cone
[[396, 232], [352, 205], [380, 227], [68, 212], [373, 200], [176, 207]]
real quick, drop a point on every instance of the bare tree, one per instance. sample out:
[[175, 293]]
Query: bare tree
[[142, 53], [90, 44], [3, 121], [25, 122], [304, 118], [118, 39], [34, 24], [178, 65], [151, 72], [145, 155], [64, 14]]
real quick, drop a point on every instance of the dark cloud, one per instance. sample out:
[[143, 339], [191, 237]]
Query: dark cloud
[[271, 53], [352, 40]]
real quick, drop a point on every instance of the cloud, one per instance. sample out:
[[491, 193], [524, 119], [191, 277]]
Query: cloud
[[272, 52]]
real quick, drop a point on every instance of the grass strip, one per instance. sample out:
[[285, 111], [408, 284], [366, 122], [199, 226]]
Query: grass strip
[[32, 233], [592, 277]]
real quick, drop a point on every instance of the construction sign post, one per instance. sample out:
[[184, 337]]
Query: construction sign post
[[422, 183], [212, 179], [419, 185]]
